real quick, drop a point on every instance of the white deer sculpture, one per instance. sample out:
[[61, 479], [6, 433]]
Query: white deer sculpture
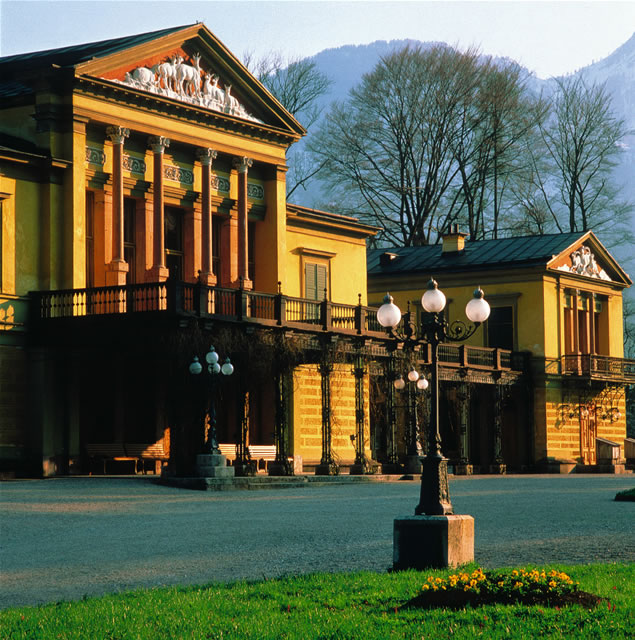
[[231, 105], [167, 72], [189, 78]]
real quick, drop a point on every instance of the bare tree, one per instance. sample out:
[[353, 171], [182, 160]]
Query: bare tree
[[388, 148], [298, 85], [582, 141], [497, 122]]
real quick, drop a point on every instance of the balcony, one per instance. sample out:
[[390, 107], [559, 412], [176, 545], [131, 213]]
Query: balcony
[[52, 309], [596, 367], [195, 300]]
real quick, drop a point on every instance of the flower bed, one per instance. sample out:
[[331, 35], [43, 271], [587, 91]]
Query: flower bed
[[526, 586]]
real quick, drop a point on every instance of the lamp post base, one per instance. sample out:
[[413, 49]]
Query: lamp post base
[[421, 542], [435, 492], [213, 465]]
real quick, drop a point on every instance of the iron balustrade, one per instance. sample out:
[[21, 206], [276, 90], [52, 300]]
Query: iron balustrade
[[596, 366], [261, 308]]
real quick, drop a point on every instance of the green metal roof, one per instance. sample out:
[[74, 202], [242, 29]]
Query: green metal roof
[[76, 54], [502, 253]]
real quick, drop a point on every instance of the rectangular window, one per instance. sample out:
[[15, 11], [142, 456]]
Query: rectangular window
[[174, 242], [129, 244], [315, 281], [500, 328], [90, 239]]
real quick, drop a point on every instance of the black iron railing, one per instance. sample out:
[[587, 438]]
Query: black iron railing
[[240, 305], [595, 366]]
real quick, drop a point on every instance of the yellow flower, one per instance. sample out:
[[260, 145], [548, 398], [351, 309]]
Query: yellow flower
[[425, 587], [514, 573], [438, 580], [430, 579], [501, 583], [434, 587], [552, 583]]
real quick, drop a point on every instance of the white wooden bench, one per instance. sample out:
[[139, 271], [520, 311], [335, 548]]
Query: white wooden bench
[[110, 451], [121, 452], [262, 454], [143, 452]]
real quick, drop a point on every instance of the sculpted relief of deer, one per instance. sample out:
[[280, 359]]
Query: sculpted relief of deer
[[189, 83]]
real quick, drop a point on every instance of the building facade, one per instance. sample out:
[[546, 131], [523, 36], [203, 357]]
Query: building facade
[[144, 216], [556, 302]]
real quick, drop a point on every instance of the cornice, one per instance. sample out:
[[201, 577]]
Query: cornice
[[161, 105]]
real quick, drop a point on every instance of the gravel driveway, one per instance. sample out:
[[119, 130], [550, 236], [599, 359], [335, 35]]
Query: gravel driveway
[[66, 537]]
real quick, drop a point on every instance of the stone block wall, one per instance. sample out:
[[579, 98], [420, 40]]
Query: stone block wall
[[307, 414]]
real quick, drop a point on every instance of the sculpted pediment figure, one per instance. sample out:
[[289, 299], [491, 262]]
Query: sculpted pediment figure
[[175, 78]]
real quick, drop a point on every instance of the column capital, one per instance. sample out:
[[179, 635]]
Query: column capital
[[117, 134], [242, 164], [206, 156], [158, 144]]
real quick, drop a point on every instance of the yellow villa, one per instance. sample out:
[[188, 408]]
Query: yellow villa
[[556, 315]]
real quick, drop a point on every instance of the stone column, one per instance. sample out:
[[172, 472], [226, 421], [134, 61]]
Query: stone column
[[242, 167], [206, 156], [117, 268], [158, 272]]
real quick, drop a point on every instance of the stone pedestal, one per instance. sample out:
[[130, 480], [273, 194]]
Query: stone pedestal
[[498, 469], [462, 469], [422, 542], [213, 465], [327, 469]]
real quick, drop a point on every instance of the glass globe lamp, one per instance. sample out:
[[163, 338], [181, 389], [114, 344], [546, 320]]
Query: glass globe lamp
[[422, 384], [433, 300], [389, 314], [413, 375], [195, 367], [477, 309], [228, 368], [399, 383], [211, 357]]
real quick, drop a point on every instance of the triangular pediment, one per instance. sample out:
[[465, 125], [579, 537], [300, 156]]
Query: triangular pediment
[[191, 66], [588, 258]]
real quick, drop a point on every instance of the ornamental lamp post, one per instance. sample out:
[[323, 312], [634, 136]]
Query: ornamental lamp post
[[434, 536], [211, 462]]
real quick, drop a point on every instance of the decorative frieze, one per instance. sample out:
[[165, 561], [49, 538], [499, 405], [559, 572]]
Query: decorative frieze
[[95, 156], [189, 83], [178, 174], [255, 191], [134, 165], [220, 184]]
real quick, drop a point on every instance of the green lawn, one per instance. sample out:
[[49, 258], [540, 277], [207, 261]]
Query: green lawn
[[355, 605]]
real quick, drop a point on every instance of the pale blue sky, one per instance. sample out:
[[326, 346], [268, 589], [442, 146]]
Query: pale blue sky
[[550, 38]]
